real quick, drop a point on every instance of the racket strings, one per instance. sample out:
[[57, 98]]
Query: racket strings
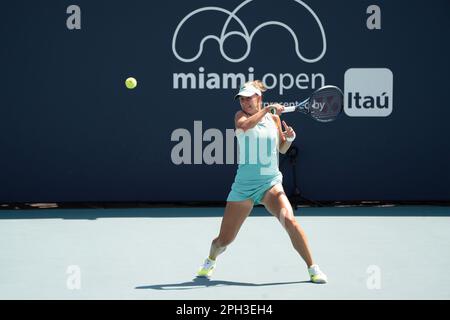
[[328, 105]]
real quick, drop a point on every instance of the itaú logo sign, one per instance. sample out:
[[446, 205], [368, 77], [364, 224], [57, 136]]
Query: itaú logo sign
[[244, 33]]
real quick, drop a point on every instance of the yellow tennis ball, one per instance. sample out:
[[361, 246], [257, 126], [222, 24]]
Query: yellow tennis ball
[[131, 83]]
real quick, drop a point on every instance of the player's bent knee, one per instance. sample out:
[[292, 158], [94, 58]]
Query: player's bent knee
[[289, 222], [286, 214]]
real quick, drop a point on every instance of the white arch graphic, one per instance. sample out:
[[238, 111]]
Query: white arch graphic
[[245, 34]]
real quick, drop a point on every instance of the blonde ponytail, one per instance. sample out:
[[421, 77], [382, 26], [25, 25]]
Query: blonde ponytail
[[258, 84]]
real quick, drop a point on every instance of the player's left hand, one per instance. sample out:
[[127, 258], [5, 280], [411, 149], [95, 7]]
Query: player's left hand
[[289, 133]]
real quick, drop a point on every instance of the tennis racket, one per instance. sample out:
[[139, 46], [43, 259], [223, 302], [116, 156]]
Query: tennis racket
[[324, 104]]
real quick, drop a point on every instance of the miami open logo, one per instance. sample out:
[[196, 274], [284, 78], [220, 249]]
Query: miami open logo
[[244, 33]]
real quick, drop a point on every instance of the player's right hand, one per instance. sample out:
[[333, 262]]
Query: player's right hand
[[276, 108]]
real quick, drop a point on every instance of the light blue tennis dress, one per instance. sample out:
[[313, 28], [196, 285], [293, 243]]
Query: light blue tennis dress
[[258, 161]]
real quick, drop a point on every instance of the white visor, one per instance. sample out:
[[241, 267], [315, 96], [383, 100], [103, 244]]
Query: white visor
[[248, 91]]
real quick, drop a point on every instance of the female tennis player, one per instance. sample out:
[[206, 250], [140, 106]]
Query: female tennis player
[[258, 179]]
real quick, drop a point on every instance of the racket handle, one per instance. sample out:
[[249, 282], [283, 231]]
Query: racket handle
[[272, 110], [289, 109], [286, 109]]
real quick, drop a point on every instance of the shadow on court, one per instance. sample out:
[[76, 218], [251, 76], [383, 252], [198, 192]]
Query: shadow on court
[[200, 282]]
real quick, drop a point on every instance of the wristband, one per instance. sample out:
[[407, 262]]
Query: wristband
[[290, 139]]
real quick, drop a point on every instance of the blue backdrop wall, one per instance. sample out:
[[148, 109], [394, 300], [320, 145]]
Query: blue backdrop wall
[[71, 131]]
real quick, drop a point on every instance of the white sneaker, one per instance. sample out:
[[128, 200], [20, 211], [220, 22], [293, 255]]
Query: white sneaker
[[316, 275], [207, 268]]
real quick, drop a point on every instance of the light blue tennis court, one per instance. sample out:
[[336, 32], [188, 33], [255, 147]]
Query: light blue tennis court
[[397, 252]]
